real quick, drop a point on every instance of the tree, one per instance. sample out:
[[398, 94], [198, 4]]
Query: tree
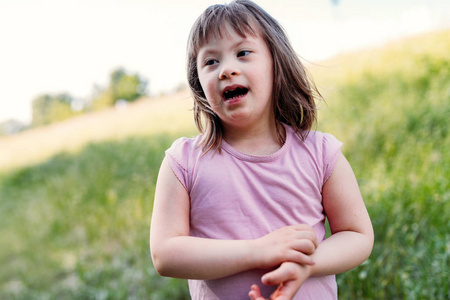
[[122, 86], [11, 126], [125, 86], [47, 109]]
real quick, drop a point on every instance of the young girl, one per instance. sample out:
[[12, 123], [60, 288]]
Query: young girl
[[240, 209]]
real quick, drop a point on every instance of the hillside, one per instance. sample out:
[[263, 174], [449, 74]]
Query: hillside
[[146, 116], [391, 108], [76, 197]]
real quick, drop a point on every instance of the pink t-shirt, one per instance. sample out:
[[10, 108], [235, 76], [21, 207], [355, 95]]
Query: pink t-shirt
[[234, 195]]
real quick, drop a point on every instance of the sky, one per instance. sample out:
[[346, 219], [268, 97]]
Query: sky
[[56, 46]]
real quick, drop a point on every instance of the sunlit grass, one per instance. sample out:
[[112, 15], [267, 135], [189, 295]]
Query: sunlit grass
[[391, 110], [76, 226]]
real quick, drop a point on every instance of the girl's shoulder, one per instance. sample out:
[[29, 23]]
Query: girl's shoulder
[[315, 139], [184, 146], [322, 139], [184, 150], [326, 149], [323, 148]]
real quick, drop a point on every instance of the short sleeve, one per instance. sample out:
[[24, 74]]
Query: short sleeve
[[178, 157], [331, 148]]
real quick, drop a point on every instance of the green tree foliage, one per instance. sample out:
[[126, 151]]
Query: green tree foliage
[[125, 86], [122, 86], [102, 98], [47, 108]]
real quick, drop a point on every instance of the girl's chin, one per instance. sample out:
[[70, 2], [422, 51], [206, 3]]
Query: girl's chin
[[238, 118]]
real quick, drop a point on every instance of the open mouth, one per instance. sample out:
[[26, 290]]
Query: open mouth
[[235, 93]]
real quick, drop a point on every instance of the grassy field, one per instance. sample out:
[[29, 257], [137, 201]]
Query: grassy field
[[146, 117], [391, 107], [76, 197], [75, 204]]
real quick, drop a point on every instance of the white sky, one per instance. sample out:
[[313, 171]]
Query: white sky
[[53, 46]]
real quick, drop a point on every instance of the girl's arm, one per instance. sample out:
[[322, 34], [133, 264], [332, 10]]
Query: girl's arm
[[176, 254], [351, 241], [352, 236]]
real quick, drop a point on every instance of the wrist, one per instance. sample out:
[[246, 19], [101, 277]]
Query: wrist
[[313, 268], [254, 254], [309, 270]]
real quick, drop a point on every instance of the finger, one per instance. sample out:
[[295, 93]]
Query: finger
[[305, 246], [279, 275], [308, 235], [300, 258], [276, 294], [286, 291], [302, 227], [255, 293]]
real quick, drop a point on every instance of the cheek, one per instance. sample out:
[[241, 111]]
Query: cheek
[[269, 70], [208, 87], [269, 78]]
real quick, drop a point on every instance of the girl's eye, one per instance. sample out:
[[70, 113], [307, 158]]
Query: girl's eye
[[210, 62], [243, 53]]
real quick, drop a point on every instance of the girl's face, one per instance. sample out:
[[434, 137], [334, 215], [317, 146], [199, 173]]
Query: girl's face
[[236, 75]]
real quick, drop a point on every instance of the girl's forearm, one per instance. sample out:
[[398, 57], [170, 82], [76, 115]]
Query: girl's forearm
[[341, 252], [184, 256], [198, 258]]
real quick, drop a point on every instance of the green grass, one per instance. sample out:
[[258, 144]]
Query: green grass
[[77, 225], [394, 122]]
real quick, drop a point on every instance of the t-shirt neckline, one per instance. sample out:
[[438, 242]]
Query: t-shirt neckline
[[261, 158]]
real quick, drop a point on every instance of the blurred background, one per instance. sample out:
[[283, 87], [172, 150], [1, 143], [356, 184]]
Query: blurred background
[[93, 92]]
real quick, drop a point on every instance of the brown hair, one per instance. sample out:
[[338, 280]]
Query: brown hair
[[293, 91]]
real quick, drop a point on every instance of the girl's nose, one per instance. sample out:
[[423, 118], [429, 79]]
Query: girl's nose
[[227, 72]]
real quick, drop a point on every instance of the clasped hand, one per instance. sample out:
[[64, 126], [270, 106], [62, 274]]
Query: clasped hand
[[290, 248]]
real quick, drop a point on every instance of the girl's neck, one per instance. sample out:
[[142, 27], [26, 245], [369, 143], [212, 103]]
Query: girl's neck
[[260, 139]]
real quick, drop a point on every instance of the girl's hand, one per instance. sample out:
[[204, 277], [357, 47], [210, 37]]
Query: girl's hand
[[291, 243], [289, 277]]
